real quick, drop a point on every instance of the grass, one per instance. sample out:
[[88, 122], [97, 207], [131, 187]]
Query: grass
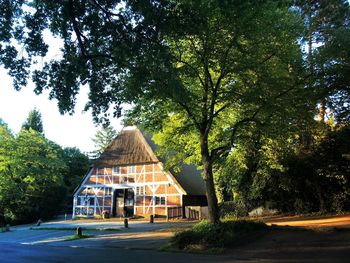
[[205, 237], [5, 229], [75, 237], [174, 229], [111, 219], [74, 228]]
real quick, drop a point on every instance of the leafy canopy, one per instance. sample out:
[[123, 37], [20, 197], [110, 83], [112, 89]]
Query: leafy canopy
[[203, 69], [34, 121], [31, 169], [103, 139]]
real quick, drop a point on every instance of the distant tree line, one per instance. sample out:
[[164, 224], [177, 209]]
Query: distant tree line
[[37, 176], [286, 174]]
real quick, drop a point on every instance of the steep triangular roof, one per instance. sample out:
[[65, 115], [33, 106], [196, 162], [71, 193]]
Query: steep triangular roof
[[189, 177], [129, 147]]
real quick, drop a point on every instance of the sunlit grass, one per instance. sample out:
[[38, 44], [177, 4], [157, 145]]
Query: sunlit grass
[[76, 236], [74, 228]]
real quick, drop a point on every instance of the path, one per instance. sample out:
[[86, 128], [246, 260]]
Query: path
[[342, 221]]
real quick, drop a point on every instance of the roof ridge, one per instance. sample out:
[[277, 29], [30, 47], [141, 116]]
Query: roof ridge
[[128, 147], [146, 144]]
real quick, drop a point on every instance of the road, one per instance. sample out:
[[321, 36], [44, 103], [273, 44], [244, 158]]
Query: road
[[17, 253], [141, 241]]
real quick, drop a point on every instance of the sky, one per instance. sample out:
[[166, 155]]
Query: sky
[[67, 131]]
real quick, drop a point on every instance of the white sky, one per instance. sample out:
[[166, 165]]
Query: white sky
[[76, 130]]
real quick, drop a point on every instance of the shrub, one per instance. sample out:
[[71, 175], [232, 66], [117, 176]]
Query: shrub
[[204, 234], [232, 209]]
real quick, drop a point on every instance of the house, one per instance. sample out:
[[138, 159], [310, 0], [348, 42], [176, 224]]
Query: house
[[129, 180]]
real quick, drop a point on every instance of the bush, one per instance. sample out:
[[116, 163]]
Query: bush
[[206, 235], [232, 209]]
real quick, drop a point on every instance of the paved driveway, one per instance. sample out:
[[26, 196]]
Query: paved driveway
[[140, 235], [139, 243]]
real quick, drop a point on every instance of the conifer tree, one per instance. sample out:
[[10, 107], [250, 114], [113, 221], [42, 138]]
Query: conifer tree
[[34, 121]]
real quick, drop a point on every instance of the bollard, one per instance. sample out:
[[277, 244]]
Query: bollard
[[151, 219], [126, 223], [79, 231]]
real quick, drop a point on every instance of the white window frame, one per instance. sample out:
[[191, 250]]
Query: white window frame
[[140, 190], [119, 170], [158, 200], [132, 169], [108, 191]]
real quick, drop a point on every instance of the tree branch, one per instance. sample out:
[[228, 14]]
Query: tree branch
[[190, 113], [222, 149], [109, 13], [76, 28]]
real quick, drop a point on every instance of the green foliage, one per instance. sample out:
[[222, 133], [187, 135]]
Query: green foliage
[[318, 179], [31, 185], [327, 34], [233, 209], [207, 235], [34, 121], [212, 77], [77, 164], [103, 138], [295, 178]]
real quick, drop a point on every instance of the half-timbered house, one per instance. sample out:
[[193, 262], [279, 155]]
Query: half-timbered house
[[129, 180]]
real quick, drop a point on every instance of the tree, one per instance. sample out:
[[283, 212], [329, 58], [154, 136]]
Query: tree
[[77, 164], [211, 68], [103, 139], [327, 34], [2, 123], [33, 121], [6, 137], [31, 171]]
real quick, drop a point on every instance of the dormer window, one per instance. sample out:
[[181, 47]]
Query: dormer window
[[132, 169], [116, 170]]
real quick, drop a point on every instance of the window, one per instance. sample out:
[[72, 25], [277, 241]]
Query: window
[[108, 191], [129, 202], [160, 200], [140, 190], [132, 169], [116, 170], [87, 200]]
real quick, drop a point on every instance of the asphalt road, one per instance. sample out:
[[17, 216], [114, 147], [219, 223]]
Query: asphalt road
[[141, 241], [17, 253]]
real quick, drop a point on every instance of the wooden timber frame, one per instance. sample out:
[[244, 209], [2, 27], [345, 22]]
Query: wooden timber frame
[[154, 191], [128, 180]]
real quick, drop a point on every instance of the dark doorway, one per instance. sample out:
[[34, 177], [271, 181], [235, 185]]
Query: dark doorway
[[123, 203], [129, 202]]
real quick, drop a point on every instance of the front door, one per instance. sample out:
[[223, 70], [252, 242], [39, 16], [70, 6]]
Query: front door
[[118, 203], [123, 202], [129, 202]]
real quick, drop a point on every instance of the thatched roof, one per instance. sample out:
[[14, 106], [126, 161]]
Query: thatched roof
[[129, 147], [189, 177]]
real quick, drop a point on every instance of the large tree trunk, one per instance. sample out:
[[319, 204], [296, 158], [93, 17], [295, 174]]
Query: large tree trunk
[[322, 110], [213, 208]]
